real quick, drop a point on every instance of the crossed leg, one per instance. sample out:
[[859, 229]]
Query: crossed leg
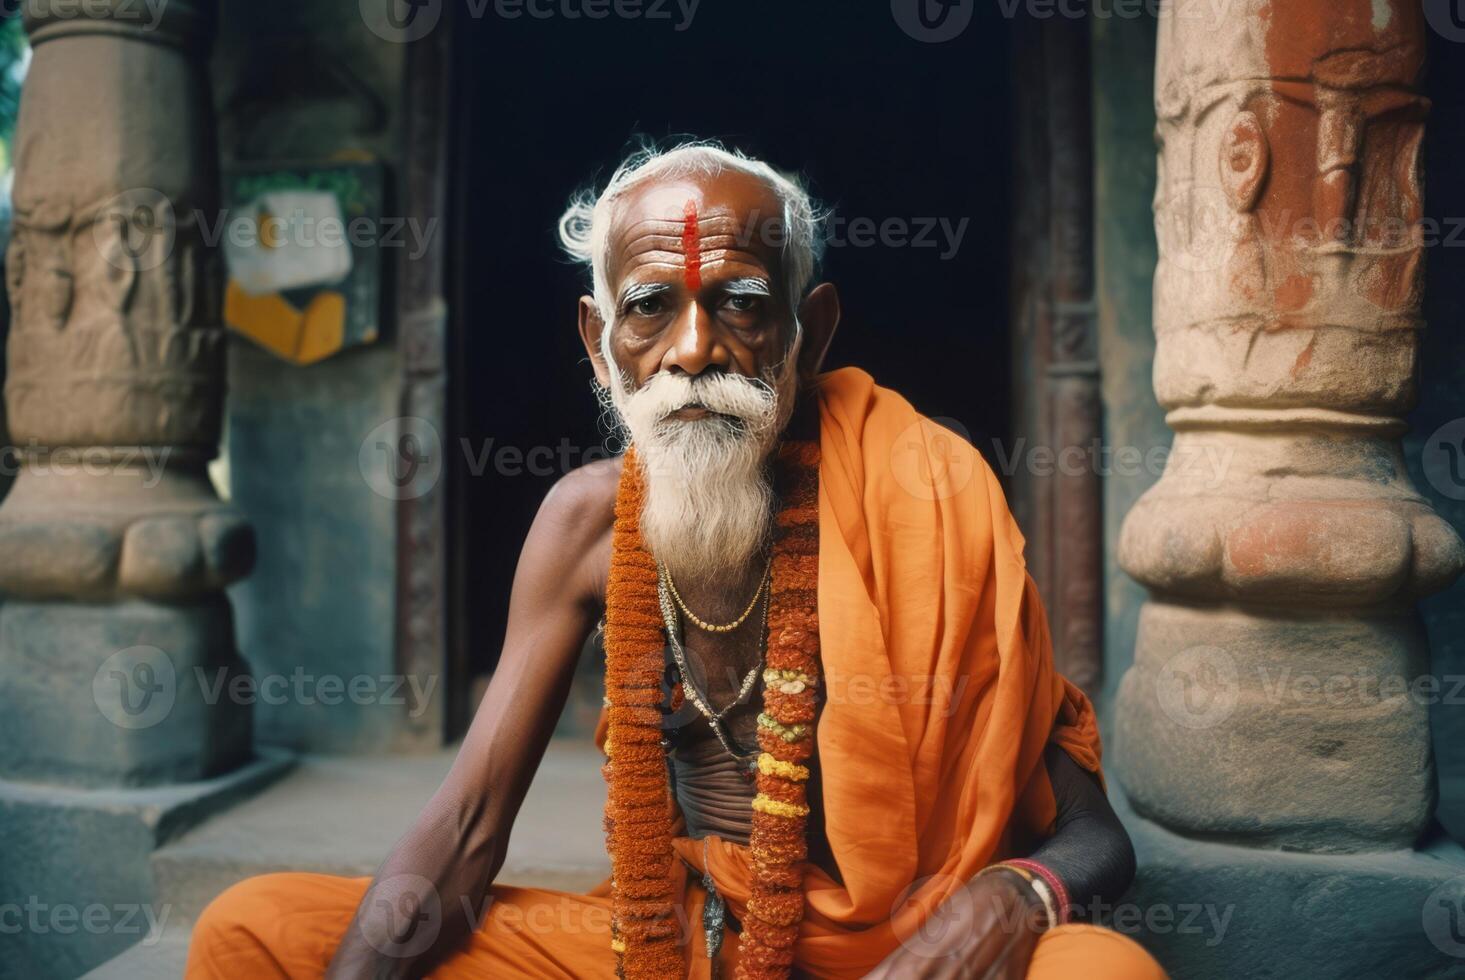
[[289, 925]]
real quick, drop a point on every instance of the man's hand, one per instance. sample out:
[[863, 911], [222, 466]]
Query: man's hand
[[986, 930]]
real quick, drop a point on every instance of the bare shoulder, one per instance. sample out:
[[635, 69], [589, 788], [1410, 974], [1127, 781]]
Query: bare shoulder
[[573, 528], [583, 500]]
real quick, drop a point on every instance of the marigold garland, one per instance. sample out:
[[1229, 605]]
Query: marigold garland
[[638, 810], [778, 841]]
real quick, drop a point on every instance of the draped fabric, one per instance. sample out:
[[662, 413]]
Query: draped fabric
[[939, 682], [940, 697]]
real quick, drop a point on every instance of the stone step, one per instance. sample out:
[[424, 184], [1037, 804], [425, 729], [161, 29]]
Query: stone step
[[151, 959], [1210, 910], [338, 815]]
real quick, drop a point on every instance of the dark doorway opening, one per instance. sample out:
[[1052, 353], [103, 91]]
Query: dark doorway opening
[[899, 132]]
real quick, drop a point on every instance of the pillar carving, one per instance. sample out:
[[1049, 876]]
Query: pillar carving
[[115, 630], [1273, 696]]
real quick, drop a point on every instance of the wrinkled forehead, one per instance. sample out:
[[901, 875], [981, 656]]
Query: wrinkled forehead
[[735, 218]]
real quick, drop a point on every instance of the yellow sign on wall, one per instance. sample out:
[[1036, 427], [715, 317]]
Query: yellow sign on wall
[[301, 246]]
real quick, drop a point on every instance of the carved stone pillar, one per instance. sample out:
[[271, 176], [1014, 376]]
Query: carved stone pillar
[[1275, 695], [116, 639]]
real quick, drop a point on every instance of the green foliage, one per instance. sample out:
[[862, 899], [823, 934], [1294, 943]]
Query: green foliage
[[14, 56], [345, 182]]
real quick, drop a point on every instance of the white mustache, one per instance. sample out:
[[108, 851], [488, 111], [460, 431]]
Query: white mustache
[[751, 401]]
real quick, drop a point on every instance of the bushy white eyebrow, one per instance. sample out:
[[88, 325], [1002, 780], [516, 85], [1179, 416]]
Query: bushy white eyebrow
[[642, 290], [748, 286]]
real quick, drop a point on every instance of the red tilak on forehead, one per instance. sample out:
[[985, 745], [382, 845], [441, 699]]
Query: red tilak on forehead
[[691, 248]]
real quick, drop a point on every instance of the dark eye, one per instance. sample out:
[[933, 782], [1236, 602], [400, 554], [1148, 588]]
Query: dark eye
[[742, 303], [650, 306]]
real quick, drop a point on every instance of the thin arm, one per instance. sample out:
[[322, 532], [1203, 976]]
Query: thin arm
[[1090, 850], [457, 844]]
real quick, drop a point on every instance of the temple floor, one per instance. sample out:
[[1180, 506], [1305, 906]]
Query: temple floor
[[341, 815], [1205, 909]]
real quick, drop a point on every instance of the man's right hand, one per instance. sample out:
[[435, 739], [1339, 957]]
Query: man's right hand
[[988, 929]]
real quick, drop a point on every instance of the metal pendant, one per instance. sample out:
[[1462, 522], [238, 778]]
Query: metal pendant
[[714, 918]]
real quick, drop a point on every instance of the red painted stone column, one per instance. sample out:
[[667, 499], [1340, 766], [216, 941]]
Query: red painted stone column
[[1276, 694]]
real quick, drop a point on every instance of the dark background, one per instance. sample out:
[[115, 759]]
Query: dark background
[[1441, 384], [880, 124]]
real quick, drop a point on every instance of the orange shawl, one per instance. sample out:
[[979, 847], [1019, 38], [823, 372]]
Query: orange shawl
[[940, 688]]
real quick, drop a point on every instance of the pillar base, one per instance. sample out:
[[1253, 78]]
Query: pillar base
[[128, 693], [1325, 749], [1210, 911], [78, 872]]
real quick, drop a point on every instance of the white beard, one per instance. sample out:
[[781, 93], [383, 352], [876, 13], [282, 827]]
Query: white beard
[[709, 498]]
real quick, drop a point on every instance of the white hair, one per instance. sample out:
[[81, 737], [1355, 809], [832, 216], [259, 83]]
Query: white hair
[[584, 226]]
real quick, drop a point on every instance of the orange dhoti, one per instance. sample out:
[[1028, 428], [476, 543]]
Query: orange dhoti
[[939, 700], [288, 926]]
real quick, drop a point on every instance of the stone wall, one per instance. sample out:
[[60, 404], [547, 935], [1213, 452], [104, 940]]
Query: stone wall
[[310, 82], [1124, 245]]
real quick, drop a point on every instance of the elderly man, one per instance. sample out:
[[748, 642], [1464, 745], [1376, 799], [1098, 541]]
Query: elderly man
[[836, 744]]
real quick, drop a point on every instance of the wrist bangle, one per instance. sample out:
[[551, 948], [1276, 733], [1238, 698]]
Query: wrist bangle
[[1036, 883], [1045, 874]]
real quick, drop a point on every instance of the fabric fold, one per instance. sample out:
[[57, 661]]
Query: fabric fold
[[941, 693]]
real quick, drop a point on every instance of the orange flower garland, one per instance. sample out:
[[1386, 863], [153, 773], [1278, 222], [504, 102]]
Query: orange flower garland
[[638, 811], [786, 727]]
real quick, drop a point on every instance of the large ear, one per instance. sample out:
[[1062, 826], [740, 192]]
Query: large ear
[[591, 327], [819, 313]]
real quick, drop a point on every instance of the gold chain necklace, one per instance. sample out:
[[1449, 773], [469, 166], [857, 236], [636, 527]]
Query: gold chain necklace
[[714, 627], [714, 718]]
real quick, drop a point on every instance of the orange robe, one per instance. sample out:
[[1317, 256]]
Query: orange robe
[[940, 697]]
